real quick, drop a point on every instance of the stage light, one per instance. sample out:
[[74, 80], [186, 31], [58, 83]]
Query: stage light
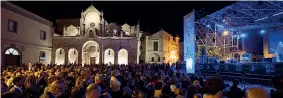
[[207, 25], [225, 33], [243, 35], [262, 31]]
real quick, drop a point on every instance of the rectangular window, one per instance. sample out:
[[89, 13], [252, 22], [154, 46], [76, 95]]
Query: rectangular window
[[42, 54], [12, 26], [155, 46], [42, 35], [152, 59]]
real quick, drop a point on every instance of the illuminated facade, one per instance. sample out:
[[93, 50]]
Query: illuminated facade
[[90, 39], [25, 37], [160, 47]]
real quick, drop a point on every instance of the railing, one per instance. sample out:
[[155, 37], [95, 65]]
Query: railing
[[243, 78]]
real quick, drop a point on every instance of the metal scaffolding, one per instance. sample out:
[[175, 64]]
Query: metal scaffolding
[[236, 19]]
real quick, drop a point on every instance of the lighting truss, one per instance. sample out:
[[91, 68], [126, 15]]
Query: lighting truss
[[246, 13], [237, 18]]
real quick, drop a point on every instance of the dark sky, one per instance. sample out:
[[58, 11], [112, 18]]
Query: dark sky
[[153, 15]]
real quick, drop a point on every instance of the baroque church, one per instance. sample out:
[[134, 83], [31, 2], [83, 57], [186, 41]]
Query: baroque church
[[90, 39]]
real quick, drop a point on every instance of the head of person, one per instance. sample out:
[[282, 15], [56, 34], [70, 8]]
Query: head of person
[[257, 92], [98, 78], [57, 88], [235, 83], [19, 81], [277, 82], [196, 83], [93, 91], [158, 86], [213, 87]]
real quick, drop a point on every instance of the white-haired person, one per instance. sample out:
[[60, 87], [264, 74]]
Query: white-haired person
[[257, 92]]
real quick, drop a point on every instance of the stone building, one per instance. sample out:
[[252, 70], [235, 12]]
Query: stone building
[[160, 47], [25, 37], [90, 39]]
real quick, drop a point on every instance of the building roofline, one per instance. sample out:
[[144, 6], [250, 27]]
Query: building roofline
[[14, 8]]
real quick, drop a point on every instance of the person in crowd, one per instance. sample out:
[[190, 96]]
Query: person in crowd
[[213, 88], [235, 91], [182, 93], [31, 88], [257, 92], [277, 83], [117, 81], [114, 84], [158, 88], [93, 91], [55, 90], [17, 89]]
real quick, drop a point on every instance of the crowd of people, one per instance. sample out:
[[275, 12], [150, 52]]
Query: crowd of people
[[120, 81]]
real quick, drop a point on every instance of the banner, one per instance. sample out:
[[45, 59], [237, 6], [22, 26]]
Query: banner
[[189, 42]]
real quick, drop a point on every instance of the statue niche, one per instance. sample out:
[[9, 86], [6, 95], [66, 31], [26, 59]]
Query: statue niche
[[92, 31]]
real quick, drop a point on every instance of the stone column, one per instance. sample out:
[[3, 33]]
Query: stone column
[[101, 54], [116, 55], [79, 55], [66, 56], [53, 55]]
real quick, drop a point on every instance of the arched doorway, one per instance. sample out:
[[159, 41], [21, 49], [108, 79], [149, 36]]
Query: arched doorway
[[73, 55], [11, 56], [123, 56], [60, 56], [90, 53], [154, 58], [109, 56]]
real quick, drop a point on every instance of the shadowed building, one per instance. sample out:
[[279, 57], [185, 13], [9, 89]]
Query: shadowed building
[[25, 37], [160, 47]]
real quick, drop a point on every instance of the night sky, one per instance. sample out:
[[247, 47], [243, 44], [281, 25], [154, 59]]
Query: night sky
[[153, 15]]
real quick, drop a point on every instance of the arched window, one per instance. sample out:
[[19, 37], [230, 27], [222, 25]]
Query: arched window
[[12, 51]]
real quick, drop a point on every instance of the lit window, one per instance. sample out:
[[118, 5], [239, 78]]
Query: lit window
[[12, 51], [13, 26]]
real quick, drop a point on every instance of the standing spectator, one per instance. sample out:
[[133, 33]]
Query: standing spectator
[[158, 88], [235, 91], [114, 85]]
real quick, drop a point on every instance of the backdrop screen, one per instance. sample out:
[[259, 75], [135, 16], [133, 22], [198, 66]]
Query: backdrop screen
[[274, 38]]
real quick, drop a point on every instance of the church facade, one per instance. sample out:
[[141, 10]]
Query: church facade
[[90, 39]]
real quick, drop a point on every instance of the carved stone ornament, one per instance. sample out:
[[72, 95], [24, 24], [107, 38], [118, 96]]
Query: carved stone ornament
[[92, 24]]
